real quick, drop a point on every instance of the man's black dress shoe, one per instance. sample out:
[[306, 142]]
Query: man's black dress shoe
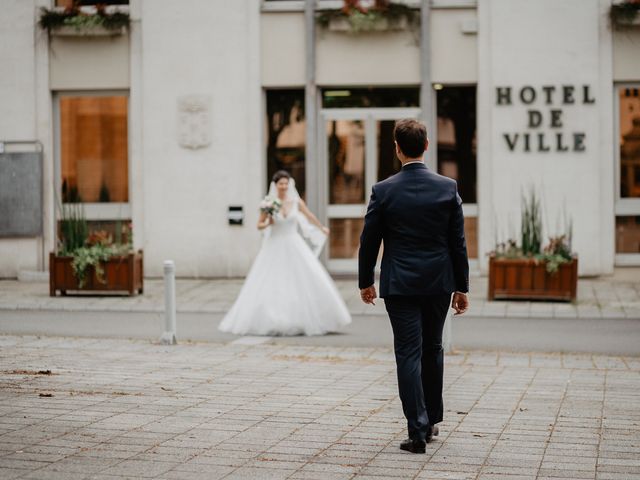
[[413, 446], [418, 446]]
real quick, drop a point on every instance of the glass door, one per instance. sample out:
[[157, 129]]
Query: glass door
[[356, 151], [627, 207]]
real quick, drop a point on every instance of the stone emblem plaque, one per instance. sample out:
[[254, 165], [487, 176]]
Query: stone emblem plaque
[[194, 121]]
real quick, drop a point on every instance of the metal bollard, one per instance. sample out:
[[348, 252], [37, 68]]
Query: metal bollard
[[169, 335]]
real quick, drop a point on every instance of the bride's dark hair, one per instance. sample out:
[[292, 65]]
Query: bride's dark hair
[[279, 175]]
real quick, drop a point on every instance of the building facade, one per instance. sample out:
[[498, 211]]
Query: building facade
[[177, 123]]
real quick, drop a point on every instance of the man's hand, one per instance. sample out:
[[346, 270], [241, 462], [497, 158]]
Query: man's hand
[[368, 295], [460, 303]]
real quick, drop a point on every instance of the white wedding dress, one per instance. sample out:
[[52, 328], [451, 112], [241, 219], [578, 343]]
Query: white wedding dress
[[287, 290]]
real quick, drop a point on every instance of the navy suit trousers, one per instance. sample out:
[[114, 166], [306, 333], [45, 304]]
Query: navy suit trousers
[[417, 323]]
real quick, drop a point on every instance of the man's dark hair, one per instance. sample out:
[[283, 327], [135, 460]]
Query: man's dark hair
[[411, 136], [280, 174]]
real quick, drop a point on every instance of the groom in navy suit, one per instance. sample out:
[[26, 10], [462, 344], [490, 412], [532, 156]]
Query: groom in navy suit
[[418, 215]]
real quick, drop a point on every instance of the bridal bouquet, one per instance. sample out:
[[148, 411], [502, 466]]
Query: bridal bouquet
[[270, 206]]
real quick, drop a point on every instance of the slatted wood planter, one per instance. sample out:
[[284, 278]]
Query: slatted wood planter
[[121, 274], [526, 279]]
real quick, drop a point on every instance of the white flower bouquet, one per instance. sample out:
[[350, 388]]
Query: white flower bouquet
[[270, 206]]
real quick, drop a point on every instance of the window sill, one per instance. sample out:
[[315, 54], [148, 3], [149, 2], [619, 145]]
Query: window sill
[[106, 211], [87, 32]]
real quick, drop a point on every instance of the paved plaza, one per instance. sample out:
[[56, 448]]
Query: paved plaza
[[111, 409]]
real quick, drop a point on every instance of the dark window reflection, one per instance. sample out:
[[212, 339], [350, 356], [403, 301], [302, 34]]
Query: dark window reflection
[[345, 237], [346, 143], [388, 162], [286, 135], [370, 97], [629, 142], [457, 138], [628, 234]]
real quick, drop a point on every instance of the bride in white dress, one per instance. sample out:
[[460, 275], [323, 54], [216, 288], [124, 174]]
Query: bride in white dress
[[287, 290]]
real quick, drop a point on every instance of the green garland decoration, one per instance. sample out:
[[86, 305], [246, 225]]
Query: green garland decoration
[[366, 20], [622, 15], [52, 19]]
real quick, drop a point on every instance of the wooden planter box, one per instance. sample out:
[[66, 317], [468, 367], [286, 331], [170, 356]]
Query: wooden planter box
[[121, 274], [529, 280]]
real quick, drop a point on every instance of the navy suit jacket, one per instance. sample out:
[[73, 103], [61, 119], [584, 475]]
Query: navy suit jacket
[[418, 215]]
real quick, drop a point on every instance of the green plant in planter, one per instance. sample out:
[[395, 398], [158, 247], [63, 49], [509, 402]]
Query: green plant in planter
[[554, 254], [531, 224], [557, 252], [85, 257], [90, 248], [98, 248], [74, 228]]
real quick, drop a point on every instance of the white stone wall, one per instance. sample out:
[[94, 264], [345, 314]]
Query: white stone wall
[[24, 115], [212, 49], [547, 43], [208, 48]]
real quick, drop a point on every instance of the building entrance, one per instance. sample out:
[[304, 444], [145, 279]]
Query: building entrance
[[356, 150]]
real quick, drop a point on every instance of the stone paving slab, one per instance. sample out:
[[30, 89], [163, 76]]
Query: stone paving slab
[[611, 297], [112, 409]]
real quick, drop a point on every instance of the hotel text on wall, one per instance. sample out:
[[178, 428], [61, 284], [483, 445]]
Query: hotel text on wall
[[545, 117]]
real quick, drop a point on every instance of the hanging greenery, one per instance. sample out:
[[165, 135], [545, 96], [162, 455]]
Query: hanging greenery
[[382, 15], [623, 15], [53, 19]]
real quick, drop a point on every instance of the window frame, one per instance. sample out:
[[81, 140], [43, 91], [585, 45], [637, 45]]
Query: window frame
[[470, 210], [93, 210], [623, 206]]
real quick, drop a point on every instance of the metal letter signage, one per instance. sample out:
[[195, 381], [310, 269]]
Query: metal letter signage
[[193, 121], [538, 119]]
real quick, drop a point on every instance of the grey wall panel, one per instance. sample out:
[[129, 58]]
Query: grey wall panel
[[21, 194]]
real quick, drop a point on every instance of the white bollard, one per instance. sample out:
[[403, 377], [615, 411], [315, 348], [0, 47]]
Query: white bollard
[[447, 334], [169, 335]]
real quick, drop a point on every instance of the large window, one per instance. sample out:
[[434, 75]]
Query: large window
[[286, 135], [628, 203], [93, 149], [370, 97], [629, 142], [457, 150], [457, 138]]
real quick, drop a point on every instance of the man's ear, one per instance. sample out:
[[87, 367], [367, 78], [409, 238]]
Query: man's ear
[[426, 145]]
